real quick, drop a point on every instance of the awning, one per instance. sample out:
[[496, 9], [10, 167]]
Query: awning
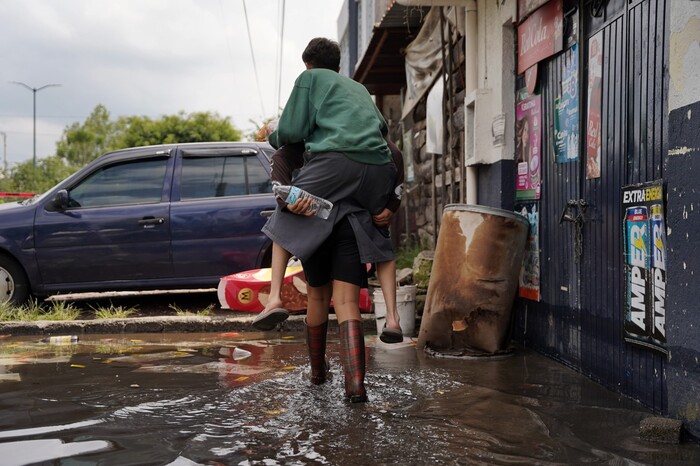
[[382, 68]]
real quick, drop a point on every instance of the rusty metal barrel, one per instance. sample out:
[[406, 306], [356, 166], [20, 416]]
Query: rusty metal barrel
[[474, 279]]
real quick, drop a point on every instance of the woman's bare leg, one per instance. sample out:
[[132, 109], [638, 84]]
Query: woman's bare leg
[[316, 330], [319, 299]]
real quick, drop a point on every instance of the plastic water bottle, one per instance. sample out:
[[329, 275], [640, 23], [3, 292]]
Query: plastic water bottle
[[61, 339], [291, 193]]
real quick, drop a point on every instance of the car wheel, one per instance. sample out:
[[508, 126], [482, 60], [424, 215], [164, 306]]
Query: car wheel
[[267, 259], [14, 286]]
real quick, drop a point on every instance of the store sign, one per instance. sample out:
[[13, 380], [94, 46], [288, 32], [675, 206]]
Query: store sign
[[595, 98], [529, 287], [531, 79], [541, 35], [566, 130], [528, 148], [525, 7], [644, 231]]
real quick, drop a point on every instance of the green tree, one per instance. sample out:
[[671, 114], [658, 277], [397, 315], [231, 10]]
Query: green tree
[[196, 127], [49, 171], [98, 134], [81, 143]]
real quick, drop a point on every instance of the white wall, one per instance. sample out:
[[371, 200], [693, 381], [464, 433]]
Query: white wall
[[684, 58], [494, 96]]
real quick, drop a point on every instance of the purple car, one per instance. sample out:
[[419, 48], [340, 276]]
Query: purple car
[[160, 217]]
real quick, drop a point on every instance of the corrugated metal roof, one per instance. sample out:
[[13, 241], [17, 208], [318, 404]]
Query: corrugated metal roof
[[381, 68]]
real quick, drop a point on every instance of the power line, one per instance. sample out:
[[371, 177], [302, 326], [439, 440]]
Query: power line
[[277, 61], [252, 55], [281, 57]]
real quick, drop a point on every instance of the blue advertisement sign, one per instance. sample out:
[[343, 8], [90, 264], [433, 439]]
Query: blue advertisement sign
[[566, 129], [644, 233]]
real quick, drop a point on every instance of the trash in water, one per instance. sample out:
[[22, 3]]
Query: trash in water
[[222, 368], [61, 339], [274, 412], [33, 360], [235, 353], [10, 377], [150, 357]]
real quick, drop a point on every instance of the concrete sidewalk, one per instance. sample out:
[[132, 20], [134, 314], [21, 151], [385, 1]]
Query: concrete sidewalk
[[238, 322]]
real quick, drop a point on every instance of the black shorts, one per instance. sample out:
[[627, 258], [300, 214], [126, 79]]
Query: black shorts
[[336, 259]]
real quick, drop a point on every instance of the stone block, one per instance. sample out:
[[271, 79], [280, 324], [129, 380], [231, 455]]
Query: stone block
[[404, 276], [422, 265], [661, 430]]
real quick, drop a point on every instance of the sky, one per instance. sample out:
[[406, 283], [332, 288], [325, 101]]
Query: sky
[[147, 58]]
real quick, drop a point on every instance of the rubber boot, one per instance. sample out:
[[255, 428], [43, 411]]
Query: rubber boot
[[352, 354], [316, 343]]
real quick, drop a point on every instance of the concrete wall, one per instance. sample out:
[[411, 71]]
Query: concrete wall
[[495, 80], [683, 215], [497, 185]]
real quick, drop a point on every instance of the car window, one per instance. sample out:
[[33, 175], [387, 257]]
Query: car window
[[258, 178], [204, 177], [133, 182]]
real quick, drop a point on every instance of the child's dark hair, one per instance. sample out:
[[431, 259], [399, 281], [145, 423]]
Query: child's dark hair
[[322, 53]]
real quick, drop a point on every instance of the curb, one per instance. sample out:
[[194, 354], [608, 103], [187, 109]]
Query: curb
[[165, 324]]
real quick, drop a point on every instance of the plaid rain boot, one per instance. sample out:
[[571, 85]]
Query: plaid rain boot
[[316, 343], [352, 353]]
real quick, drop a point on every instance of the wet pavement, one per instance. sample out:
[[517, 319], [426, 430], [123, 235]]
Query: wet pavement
[[243, 398]]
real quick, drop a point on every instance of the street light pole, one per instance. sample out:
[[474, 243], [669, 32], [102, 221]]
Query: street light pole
[[34, 91], [4, 151]]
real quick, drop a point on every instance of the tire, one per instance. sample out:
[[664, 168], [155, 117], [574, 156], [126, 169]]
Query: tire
[[14, 285], [267, 258]]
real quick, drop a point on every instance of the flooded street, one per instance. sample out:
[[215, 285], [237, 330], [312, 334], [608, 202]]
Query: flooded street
[[183, 399]]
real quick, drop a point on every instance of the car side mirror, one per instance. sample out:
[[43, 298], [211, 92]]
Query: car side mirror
[[60, 201]]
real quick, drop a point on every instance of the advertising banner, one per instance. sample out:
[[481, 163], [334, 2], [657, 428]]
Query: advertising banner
[[433, 119], [541, 35], [566, 111], [529, 287], [407, 151], [525, 7], [528, 148], [644, 233], [595, 97]]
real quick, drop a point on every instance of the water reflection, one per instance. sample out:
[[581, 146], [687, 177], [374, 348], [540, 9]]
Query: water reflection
[[243, 399]]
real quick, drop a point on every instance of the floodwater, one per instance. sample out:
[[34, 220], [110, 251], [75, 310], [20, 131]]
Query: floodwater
[[184, 399]]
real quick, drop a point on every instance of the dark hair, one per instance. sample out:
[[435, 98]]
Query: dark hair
[[322, 53]]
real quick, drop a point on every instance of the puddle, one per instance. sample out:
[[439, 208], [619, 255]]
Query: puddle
[[187, 399]]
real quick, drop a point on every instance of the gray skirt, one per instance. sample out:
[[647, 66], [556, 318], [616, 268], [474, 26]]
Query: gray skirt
[[356, 190]]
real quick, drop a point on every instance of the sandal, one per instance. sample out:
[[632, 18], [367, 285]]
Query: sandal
[[266, 321], [391, 335]]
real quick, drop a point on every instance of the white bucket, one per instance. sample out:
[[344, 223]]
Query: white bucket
[[405, 304]]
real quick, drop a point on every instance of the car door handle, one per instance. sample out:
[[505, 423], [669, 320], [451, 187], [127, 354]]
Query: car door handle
[[266, 213], [151, 221]]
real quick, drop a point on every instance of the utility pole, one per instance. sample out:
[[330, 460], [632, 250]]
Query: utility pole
[[34, 91], [4, 151]]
